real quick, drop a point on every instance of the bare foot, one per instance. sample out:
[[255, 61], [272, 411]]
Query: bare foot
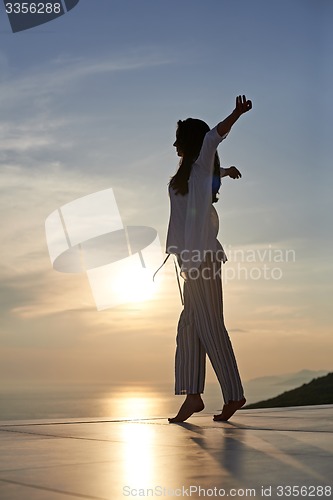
[[229, 409], [192, 404]]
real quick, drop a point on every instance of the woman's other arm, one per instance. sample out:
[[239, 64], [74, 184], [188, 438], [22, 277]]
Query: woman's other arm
[[232, 172], [242, 106]]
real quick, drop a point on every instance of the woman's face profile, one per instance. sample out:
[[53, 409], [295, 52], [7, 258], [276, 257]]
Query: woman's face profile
[[178, 148]]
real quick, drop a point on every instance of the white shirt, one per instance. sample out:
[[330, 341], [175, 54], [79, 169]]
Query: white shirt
[[194, 223]]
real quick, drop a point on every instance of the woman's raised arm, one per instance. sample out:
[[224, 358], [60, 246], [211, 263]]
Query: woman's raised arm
[[242, 106]]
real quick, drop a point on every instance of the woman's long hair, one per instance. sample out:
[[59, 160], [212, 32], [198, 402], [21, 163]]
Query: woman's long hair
[[189, 138]]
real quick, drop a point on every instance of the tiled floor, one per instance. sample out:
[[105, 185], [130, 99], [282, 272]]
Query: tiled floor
[[258, 453]]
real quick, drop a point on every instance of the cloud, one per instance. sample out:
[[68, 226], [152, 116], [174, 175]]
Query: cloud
[[58, 75], [31, 133], [54, 111]]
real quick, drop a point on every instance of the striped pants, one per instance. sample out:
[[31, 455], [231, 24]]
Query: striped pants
[[201, 331]]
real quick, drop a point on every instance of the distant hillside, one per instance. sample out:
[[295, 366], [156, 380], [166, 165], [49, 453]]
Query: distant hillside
[[317, 392], [270, 386]]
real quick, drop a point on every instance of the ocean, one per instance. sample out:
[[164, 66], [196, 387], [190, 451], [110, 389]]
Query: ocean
[[96, 401], [63, 401]]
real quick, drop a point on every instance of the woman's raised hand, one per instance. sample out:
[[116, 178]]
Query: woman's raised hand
[[242, 105]]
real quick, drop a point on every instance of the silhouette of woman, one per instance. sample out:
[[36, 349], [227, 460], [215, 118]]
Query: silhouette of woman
[[192, 237]]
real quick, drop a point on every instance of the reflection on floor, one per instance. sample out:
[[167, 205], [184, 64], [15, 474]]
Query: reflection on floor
[[273, 452]]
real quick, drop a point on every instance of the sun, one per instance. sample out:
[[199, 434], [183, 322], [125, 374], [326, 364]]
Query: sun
[[134, 285], [123, 282]]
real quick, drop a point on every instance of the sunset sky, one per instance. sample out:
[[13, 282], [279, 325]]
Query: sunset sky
[[90, 101]]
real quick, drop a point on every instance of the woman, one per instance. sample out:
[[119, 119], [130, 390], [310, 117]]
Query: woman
[[192, 236]]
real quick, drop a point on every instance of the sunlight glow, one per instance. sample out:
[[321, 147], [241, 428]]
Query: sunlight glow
[[138, 456], [134, 285], [127, 280], [122, 282], [134, 403]]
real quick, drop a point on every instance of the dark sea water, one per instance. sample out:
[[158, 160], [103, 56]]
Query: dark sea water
[[54, 401], [97, 400]]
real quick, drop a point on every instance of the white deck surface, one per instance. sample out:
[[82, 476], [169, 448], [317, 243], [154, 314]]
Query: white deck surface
[[103, 459]]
